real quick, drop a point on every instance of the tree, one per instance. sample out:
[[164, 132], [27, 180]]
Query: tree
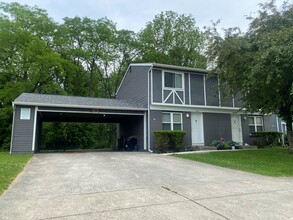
[[27, 61], [172, 39], [259, 63]]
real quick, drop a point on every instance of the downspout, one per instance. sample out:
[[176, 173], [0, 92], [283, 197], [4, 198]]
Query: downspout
[[12, 129], [149, 109]]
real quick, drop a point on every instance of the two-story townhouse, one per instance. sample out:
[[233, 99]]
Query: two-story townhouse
[[151, 97], [183, 98]]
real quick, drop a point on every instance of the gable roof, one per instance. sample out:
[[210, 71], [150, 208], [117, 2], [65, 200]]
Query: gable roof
[[35, 99]]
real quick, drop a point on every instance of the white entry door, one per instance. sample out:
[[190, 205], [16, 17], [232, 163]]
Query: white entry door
[[197, 129], [236, 128]]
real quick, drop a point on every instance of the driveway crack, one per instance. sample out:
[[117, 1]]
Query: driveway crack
[[197, 203]]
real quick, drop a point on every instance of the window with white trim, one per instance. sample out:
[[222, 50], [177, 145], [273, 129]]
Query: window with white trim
[[173, 87], [172, 121], [255, 123], [173, 80]]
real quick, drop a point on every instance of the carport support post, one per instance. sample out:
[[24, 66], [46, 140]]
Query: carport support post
[[12, 129], [35, 128]]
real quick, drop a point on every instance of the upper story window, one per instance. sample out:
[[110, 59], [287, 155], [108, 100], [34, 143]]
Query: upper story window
[[172, 121], [255, 123], [173, 88], [173, 80]]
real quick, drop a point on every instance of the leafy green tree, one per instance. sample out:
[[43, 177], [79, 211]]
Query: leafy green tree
[[259, 63], [172, 39], [27, 62]]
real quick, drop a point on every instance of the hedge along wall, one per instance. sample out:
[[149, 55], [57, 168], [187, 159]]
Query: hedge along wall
[[167, 140], [267, 138]]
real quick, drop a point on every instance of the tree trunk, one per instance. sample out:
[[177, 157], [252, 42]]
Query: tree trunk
[[290, 140]]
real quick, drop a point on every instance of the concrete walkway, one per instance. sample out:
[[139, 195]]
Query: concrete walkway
[[127, 185]]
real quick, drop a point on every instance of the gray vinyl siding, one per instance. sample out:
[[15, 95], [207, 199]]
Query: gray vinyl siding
[[135, 85], [187, 128], [212, 91], [245, 130], [226, 98], [270, 123], [156, 124], [186, 85], [157, 86], [237, 100], [216, 126], [22, 137], [197, 89]]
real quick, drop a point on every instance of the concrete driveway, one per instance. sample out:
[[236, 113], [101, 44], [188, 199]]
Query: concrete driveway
[[127, 185]]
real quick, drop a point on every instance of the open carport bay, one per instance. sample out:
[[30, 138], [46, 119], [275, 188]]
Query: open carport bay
[[137, 185], [123, 127]]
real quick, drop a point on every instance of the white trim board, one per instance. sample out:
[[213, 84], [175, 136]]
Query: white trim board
[[195, 108]]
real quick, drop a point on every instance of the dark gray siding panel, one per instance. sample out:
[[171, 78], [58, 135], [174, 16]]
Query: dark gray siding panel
[[22, 136], [226, 98], [237, 100], [270, 123], [197, 89], [187, 128], [212, 91], [247, 139], [216, 126], [135, 85], [186, 84], [155, 124], [157, 85]]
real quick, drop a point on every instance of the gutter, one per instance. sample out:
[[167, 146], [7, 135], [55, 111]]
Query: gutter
[[149, 109]]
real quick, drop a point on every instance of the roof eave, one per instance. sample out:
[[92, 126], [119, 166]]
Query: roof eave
[[77, 106]]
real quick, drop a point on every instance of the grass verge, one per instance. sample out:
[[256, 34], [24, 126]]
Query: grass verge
[[10, 167], [274, 161]]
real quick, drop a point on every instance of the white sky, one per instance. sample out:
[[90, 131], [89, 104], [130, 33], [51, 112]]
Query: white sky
[[134, 14]]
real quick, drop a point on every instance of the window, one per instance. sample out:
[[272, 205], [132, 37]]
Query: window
[[172, 121], [255, 123], [173, 88], [173, 80], [25, 113]]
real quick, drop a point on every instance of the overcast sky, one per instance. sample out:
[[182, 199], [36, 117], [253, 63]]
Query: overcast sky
[[134, 14]]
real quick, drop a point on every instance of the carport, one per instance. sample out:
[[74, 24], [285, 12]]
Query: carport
[[32, 110]]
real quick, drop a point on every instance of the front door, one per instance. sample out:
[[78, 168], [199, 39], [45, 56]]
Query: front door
[[197, 129], [236, 128]]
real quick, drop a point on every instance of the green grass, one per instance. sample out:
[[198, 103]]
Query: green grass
[[10, 167], [274, 161]]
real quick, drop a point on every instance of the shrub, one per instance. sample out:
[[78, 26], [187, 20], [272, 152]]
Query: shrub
[[167, 140], [267, 138], [223, 145]]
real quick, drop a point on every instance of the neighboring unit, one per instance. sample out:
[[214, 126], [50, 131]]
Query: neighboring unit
[[151, 97]]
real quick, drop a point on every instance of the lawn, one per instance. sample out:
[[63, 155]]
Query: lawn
[[269, 161], [10, 167]]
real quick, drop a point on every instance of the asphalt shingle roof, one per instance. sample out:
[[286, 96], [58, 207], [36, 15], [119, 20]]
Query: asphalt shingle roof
[[76, 101]]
